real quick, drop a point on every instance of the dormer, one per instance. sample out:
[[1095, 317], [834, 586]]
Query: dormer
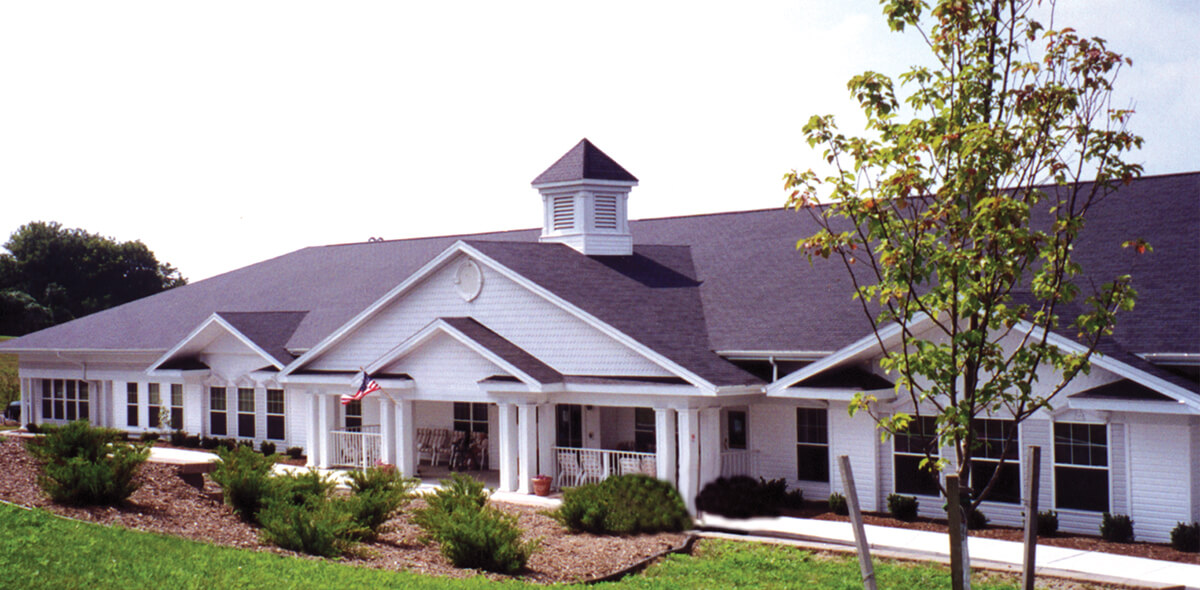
[[585, 202]]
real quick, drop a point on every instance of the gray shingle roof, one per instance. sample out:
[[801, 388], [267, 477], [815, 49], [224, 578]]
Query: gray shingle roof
[[270, 330], [505, 349], [584, 161], [695, 284]]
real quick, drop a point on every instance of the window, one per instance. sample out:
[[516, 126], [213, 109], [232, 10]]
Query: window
[[644, 438], [909, 450], [65, 399], [245, 412], [275, 414], [470, 417], [569, 425], [1081, 466], [812, 444], [155, 400], [991, 435], [216, 411], [563, 212], [735, 429], [353, 414], [131, 404], [176, 406], [606, 212]]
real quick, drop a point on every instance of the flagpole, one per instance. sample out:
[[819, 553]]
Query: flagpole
[[385, 392]]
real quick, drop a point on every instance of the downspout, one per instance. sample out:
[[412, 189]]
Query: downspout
[[774, 369], [80, 363]]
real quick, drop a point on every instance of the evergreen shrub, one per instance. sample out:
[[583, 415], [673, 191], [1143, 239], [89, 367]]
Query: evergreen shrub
[[86, 465], [245, 479], [1047, 523], [744, 497], [1186, 537], [471, 533], [379, 493], [267, 448], [1117, 528], [627, 504], [902, 507], [838, 505]]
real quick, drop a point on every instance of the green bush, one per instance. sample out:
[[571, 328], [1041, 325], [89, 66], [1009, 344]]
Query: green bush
[[838, 505], [267, 448], [85, 465], [627, 504], [744, 497], [977, 520], [472, 534], [902, 507], [209, 443], [1047, 523], [1186, 537], [149, 437], [32, 428], [300, 487], [295, 452], [1117, 528], [177, 438], [379, 493], [244, 477], [191, 442], [323, 527]]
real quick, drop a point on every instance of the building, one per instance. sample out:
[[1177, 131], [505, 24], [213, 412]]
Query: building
[[686, 347]]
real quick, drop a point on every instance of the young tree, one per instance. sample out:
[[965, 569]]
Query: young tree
[[957, 212]]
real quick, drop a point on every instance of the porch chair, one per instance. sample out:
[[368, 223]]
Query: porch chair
[[629, 465], [568, 469], [650, 466], [441, 446], [460, 455], [593, 466], [422, 443], [479, 448]]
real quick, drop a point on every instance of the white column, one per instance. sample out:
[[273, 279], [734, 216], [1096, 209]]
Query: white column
[[689, 455], [546, 439], [312, 441], [327, 414], [406, 455], [35, 413], [26, 401], [508, 447], [387, 430], [527, 446], [193, 408], [710, 446], [664, 443]]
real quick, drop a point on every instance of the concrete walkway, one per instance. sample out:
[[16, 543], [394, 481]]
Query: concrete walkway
[[992, 553]]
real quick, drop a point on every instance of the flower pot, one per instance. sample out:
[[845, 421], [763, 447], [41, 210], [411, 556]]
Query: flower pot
[[541, 486]]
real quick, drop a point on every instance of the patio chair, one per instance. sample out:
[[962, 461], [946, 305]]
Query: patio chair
[[650, 466], [422, 442], [568, 469], [479, 449], [593, 466], [441, 446], [460, 451], [629, 465]]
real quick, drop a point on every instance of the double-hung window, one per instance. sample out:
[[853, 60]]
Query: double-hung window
[[644, 437], [275, 414], [910, 448], [1081, 466], [65, 399], [245, 412], [353, 415], [131, 404], [812, 444], [177, 406], [154, 409], [470, 417], [216, 411], [991, 436]]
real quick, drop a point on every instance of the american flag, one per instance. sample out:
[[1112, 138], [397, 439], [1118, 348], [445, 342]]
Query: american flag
[[368, 386]]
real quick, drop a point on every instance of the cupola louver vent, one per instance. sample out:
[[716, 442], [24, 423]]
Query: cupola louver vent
[[606, 212], [564, 212]]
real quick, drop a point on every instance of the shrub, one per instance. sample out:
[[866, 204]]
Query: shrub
[[177, 437], [322, 527], [379, 492], [297, 488], [744, 497], [977, 520], [191, 442], [209, 443], [1186, 537], [149, 437], [244, 477], [471, 533], [32, 428], [267, 448], [85, 465], [1047, 523], [1117, 528], [902, 507], [837, 504], [295, 452], [625, 504]]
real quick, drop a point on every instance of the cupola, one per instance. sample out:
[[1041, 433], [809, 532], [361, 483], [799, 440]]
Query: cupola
[[584, 202]]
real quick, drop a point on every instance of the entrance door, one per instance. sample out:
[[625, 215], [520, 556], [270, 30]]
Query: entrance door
[[569, 420]]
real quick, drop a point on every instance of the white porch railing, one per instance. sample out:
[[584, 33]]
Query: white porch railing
[[739, 462], [358, 446], [575, 466]]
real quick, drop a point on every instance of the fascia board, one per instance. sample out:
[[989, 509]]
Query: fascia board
[[585, 182], [593, 321], [183, 342], [1141, 407], [837, 394], [1117, 367], [674, 390], [318, 379], [218, 320], [366, 314], [865, 344], [778, 355], [439, 326]]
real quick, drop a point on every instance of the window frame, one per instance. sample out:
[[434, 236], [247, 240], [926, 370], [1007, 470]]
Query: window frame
[[131, 404], [352, 415], [276, 421], [245, 417], [476, 417], [176, 393], [812, 445], [214, 412], [984, 456], [1077, 469], [932, 483], [645, 432], [153, 405], [66, 400]]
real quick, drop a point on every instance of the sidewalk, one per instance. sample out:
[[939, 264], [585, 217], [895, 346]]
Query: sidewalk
[[897, 542]]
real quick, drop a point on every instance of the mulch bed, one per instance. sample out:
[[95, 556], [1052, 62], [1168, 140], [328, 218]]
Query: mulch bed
[[165, 504], [1161, 551]]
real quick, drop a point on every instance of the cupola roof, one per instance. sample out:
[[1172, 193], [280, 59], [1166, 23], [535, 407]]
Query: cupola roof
[[584, 161]]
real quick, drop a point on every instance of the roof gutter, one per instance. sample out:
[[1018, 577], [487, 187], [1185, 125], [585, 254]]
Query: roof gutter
[[82, 364]]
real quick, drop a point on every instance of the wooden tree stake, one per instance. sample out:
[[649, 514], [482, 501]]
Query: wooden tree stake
[[1032, 476], [860, 533]]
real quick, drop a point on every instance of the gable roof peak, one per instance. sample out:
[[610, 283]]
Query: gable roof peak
[[585, 161]]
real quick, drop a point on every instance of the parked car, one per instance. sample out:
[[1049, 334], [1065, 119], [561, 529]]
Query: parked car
[[13, 411]]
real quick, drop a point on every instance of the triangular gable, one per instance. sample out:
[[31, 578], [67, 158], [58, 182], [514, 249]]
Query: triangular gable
[[518, 363], [889, 336], [184, 355], [462, 248]]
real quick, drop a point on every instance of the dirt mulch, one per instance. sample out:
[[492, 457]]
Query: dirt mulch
[[165, 504], [1161, 551]]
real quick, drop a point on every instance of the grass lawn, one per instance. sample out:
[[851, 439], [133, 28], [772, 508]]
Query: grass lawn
[[38, 550]]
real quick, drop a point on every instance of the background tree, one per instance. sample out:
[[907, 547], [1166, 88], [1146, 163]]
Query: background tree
[[956, 214], [51, 274]]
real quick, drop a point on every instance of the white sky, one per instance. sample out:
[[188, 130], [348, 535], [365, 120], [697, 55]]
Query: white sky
[[221, 133]]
